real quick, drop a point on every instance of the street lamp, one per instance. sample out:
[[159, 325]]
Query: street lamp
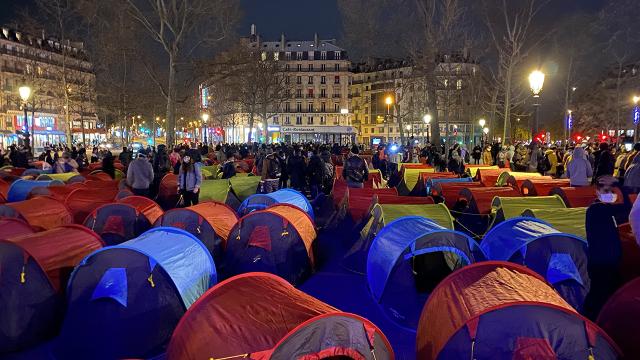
[[569, 122], [486, 135], [25, 94], [536, 82], [389, 102], [205, 117], [427, 120]]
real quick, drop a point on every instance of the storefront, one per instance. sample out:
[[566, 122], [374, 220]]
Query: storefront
[[43, 133], [319, 134]]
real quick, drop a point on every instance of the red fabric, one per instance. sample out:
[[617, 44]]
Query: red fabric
[[541, 187], [581, 196], [43, 212], [59, 193], [489, 177], [629, 268], [480, 198], [82, 202], [533, 348], [405, 200], [425, 176], [114, 225], [4, 188], [451, 191], [260, 237], [168, 189], [14, 227], [474, 290], [59, 250], [632, 198], [149, 208], [254, 312], [516, 180], [334, 351], [102, 184], [416, 166], [360, 200], [619, 318], [220, 216], [16, 171]]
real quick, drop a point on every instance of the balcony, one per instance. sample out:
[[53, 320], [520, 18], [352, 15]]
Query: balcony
[[336, 96], [310, 96]]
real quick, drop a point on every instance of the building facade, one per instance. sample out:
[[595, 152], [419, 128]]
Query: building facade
[[63, 97], [316, 108]]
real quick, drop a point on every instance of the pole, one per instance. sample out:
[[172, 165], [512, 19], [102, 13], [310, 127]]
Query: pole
[[536, 121], [206, 130], [27, 138]]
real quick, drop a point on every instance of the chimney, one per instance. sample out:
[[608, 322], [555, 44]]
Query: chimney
[[253, 29], [282, 41], [316, 41], [43, 35]]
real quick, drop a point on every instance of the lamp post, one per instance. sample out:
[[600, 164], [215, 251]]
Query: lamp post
[[569, 123], [389, 102], [205, 118], [482, 123], [486, 135], [427, 121], [636, 117], [25, 94], [536, 82]]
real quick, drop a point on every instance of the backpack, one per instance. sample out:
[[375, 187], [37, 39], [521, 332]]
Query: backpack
[[274, 168]]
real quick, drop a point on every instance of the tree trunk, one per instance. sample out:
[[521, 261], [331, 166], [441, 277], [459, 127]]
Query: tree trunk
[[433, 109], [251, 122], [265, 125], [84, 141], [171, 103], [567, 102], [507, 103], [400, 124]]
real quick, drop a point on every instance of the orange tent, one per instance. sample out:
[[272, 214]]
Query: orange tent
[[43, 213], [149, 208], [10, 227], [489, 177], [82, 202], [480, 198], [450, 192], [541, 187], [580, 196], [167, 194]]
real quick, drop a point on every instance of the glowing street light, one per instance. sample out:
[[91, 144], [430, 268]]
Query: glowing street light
[[25, 94], [482, 122], [427, 119], [205, 117], [536, 82], [389, 102]]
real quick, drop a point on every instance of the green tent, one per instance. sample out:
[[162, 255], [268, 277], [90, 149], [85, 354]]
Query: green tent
[[210, 172], [119, 175], [244, 186], [220, 191], [438, 213], [504, 208], [569, 220], [62, 177]]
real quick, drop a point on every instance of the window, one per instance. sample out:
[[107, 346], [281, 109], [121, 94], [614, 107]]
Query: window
[[287, 120], [264, 56], [336, 107], [299, 67], [287, 80], [337, 55], [323, 67], [287, 67], [287, 55], [298, 120], [323, 55], [275, 120], [336, 80], [366, 110], [310, 93], [459, 84], [299, 80], [310, 81], [276, 56], [311, 54], [323, 93], [310, 68], [337, 67], [323, 107], [366, 130], [299, 107], [323, 80], [310, 107], [310, 120], [299, 55], [287, 107], [299, 93], [380, 129]]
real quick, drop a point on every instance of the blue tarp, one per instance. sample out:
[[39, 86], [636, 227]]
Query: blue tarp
[[185, 259], [513, 235], [283, 196], [394, 239], [20, 189]]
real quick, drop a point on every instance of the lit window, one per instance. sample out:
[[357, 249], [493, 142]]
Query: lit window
[[276, 56]]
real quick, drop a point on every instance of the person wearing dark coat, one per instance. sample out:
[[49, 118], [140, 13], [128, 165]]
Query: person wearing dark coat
[[315, 171], [107, 165], [296, 168], [604, 162]]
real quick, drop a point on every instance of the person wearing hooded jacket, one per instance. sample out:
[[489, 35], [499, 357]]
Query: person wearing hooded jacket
[[579, 168], [632, 176]]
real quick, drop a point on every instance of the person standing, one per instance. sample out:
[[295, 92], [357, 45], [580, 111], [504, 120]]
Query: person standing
[[297, 168], [579, 168], [271, 171], [125, 157], [487, 159], [632, 176], [477, 154], [66, 164], [189, 181], [107, 165], [315, 171], [355, 169], [604, 161], [140, 175]]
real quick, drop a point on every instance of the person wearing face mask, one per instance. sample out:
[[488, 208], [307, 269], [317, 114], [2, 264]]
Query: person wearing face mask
[[605, 189], [189, 181]]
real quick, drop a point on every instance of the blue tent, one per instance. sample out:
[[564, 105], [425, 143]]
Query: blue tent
[[408, 258], [125, 300], [432, 182], [20, 189], [283, 196], [561, 258]]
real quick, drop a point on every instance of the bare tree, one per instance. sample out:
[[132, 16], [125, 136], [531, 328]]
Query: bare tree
[[181, 28], [511, 26]]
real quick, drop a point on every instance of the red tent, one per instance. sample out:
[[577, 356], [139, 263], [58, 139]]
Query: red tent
[[619, 318], [480, 198], [42, 213], [267, 318], [451, 191], [82, 202], [629, 268], [360, 200], [168, 193], [541, 187], [4, 188], [580, 196], [59, 193], [492, 308], [516, 179], [383, 198], [149, 208], [489, 177], [14, 227]]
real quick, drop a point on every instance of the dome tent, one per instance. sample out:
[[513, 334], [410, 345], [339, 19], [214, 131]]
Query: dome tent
[[210, 222], [283, 196], [505, 208], [10, 227], [408, 257], [42, 213], [541, 187], [125, 300], [117, 223], [619, 318], [561, 258], [20, 189], [149, 208], [59, 193], [272, 320], [567, 220], [82, 202], [33, 274], [498, 310], [278, 240]]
